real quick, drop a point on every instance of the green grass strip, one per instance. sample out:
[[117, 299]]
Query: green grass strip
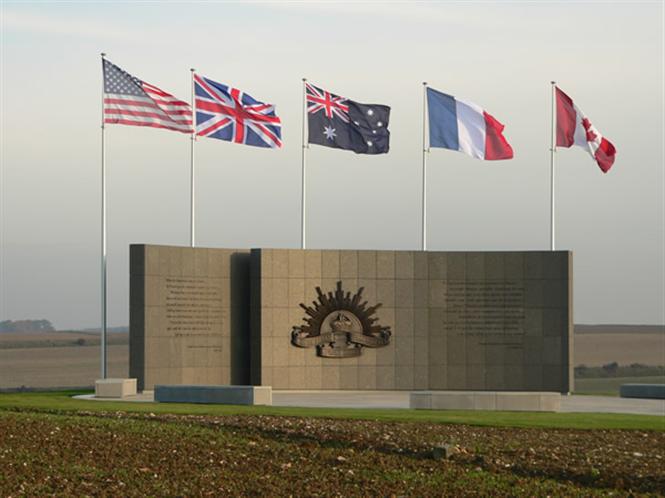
[[63, 402]]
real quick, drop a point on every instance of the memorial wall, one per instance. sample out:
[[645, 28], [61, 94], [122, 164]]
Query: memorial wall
[[188, 315], [411, 320], [309, 319]]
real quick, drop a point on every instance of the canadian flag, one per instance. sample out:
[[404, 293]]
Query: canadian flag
[[574, 128]]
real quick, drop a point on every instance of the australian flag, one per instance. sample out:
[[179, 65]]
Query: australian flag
[[344, 124]]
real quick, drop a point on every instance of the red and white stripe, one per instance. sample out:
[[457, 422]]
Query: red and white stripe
[[158, 110], [574, 128], [480, 134]]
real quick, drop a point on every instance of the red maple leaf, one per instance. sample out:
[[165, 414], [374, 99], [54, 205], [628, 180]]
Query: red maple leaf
[[590, 134]]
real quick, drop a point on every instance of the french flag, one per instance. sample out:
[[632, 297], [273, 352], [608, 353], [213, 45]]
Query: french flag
[[465, 127], [574, 128]]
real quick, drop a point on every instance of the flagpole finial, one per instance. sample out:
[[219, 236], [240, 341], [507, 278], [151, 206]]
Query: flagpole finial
[[103, 54], [553, 82], [424, 83], [192, 69], [304, 79]]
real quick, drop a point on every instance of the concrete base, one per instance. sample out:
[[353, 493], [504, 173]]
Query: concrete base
[[400, 400], [649, 391], [225, 395], [115, 388], [486, 400]]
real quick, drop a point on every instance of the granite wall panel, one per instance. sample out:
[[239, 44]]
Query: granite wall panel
[[458, 320], [474, 320], [189, 315]]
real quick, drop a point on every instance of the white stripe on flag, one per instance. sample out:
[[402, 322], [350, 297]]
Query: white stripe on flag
[[471, 129], [591, 143], [175, 103], [118, 108], [580, 133], [145, 101], [142, 119]]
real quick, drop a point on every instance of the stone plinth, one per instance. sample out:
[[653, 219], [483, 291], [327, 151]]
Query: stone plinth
[[115, 388], [225, 395], [486, 400]]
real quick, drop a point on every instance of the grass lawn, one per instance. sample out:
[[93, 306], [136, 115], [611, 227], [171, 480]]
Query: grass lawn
[[63, 402]]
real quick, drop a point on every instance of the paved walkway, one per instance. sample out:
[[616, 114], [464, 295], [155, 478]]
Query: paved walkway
[[609, 404], [400, 399]]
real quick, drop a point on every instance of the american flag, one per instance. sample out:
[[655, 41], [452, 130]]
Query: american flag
[[130, 101], [227, 113]]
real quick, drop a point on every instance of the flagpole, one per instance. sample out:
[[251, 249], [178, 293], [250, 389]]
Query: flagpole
[[303, 205], [103, 248], [425, 152], [192, 239], [552, 154]]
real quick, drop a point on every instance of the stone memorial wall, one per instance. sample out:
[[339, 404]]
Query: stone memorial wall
[[188, 315], [453, 320], [310, 319]]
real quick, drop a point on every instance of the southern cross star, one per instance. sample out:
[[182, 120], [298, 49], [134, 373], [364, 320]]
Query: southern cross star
[[329, 132]]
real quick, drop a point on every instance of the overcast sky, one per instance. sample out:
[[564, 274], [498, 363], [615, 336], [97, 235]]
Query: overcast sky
[[607, 56]]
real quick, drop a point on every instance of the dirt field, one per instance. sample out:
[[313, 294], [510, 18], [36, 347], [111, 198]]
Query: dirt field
[[117, 454], [19, 340], [7, 338], [75, 366], [600, 348]]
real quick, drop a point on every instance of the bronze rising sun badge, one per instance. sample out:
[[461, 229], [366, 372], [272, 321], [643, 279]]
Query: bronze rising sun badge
[[339, 325]]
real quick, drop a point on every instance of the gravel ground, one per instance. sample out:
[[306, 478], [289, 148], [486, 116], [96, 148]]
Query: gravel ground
[[121, 454]]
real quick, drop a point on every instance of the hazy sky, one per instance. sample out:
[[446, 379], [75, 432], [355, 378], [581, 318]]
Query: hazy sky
[[607, 56]]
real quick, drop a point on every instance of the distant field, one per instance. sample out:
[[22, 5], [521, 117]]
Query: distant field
[[598, 348], [59, 366], [611, 385], [53, 359], [20, 340], [619, 329]]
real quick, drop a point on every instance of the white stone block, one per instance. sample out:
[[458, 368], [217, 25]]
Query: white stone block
[[486, 400], [263, 395], [462, 400], [420, 401], [550, 402], [518, 402], [115, 388]]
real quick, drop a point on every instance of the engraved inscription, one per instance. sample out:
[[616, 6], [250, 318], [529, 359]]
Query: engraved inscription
[[492, 311], [194, 310]]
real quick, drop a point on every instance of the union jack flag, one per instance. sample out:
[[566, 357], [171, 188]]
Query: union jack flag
[[330, 104], [228, 114]]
